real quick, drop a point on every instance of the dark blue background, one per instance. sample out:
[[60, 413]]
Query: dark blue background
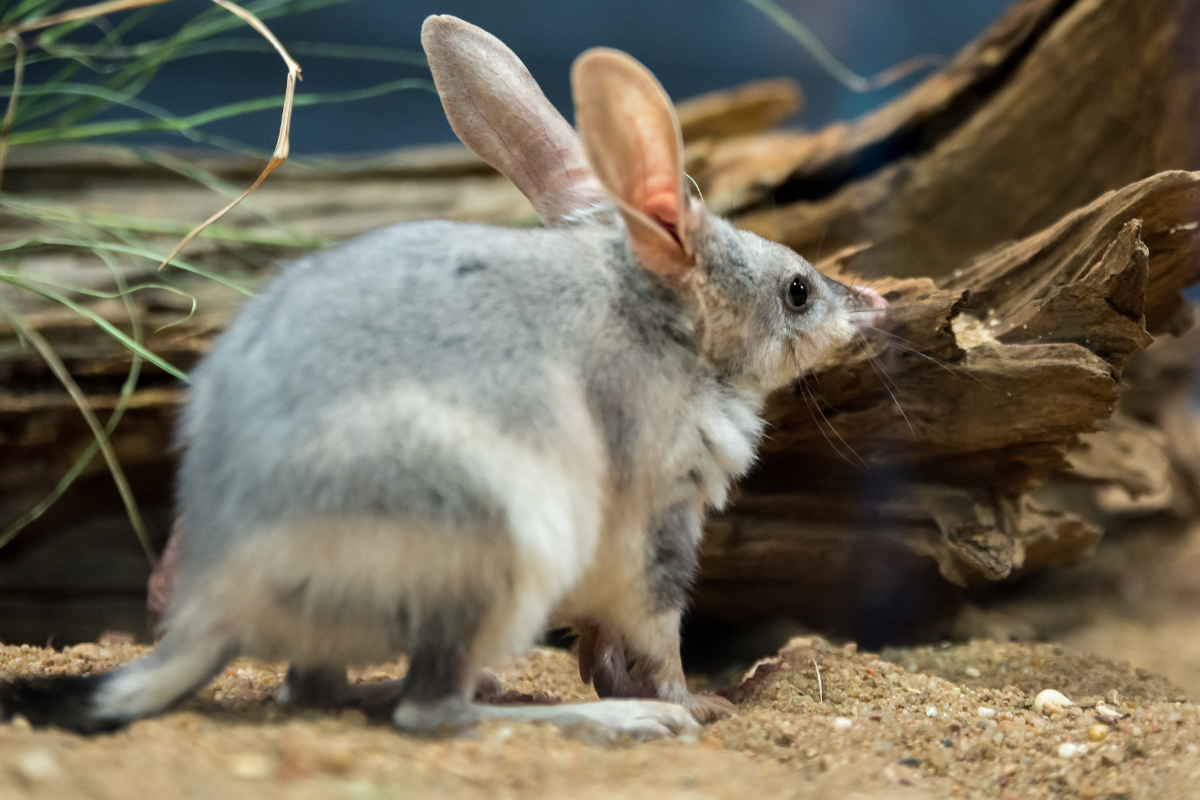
[[692, 45]]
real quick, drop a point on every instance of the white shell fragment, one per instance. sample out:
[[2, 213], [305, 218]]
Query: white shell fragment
[[1107, 714], [987, 713], [842, 724], [38, 766], [1050, 702], [931, 711], [1068, 750]]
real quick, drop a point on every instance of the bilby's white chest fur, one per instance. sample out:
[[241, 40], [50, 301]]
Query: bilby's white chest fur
[[727, 428]]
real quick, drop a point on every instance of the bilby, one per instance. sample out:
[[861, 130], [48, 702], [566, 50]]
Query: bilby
[[437, 438]]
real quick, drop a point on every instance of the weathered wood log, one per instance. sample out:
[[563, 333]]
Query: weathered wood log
[[750, 108], [1041, 115], [936, 445]]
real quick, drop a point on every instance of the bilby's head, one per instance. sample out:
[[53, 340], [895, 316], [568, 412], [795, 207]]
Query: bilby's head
[[766, 313]]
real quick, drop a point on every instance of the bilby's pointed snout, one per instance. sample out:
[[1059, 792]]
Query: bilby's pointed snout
[[871, 307]]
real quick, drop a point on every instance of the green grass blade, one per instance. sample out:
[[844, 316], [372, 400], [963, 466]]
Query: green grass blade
[[47, 211], [17, 280], [180, 124], [829, 62], [114, 466], [143, 252], [29, 9]]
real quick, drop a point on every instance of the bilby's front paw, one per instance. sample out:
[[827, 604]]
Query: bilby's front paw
[[706, 707], [703, 706]]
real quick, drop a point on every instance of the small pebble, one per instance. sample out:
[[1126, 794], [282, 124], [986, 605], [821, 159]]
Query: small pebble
[[972, 672], [930, 711], [987, 713], [338, 760], [1050, 702], [1068, 750], [251, 766], [1098, 733], [842, 724], [38, 766]]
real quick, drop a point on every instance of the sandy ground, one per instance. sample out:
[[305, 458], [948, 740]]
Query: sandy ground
[[939, 722], [818, 721]]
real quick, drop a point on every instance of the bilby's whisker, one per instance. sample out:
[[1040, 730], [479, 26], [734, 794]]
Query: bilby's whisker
[[878, 368], [897, 342], [804, 390], [804, 393]]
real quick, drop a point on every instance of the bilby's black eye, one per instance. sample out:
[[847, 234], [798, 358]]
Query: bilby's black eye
[[797, 294]]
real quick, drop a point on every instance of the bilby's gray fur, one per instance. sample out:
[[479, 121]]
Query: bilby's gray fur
[[436, 438]]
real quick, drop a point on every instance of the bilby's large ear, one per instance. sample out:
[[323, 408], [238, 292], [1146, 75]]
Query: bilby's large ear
[[631, 136], [498, 110]]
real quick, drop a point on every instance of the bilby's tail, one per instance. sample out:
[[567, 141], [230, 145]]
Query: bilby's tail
[[62, 700], [95, 703]]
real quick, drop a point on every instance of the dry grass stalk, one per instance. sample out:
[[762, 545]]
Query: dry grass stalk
[[86, 12], [282, 144]]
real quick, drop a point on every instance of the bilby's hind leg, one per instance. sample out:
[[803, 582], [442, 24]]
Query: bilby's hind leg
[[639, 719], [435, 698], [327, 687], [444, 648]]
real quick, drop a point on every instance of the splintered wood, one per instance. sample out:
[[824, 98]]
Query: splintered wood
[[1024, 210]]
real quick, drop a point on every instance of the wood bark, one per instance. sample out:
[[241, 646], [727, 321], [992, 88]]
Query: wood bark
[[1027, 211], [1056, 104]]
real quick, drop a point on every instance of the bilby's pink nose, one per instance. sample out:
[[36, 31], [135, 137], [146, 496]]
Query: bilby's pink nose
[[870, 306]]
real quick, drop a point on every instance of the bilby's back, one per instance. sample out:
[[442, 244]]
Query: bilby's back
[[314, 400]]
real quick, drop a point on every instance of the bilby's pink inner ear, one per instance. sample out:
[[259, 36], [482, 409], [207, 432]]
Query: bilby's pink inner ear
[[632, 139], [498, 110]]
